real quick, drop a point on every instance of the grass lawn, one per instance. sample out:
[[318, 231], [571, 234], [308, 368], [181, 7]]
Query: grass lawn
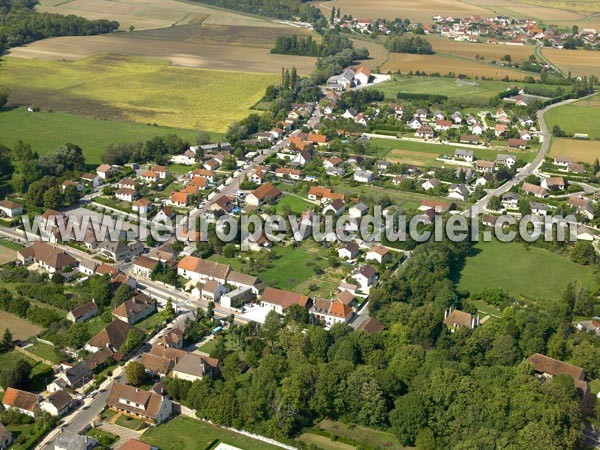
[[361, 435], [530, 273], [295, 204], [151, 322], [143, 90], [580, 117], [41, 373], [102, 437], [28, 430], [11, 245], [44, 351], [595, 386], [190, 434], [130, 422], [323, 442]]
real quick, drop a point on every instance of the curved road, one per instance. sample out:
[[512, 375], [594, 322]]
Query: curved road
[[530, 168]]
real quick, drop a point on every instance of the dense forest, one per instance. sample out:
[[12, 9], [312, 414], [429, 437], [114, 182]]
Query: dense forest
[[280, 9], [409, 44], [471, 389], [20, 24]]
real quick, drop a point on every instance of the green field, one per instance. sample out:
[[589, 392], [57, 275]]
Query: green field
[[527, 272], [293, 204], [577, 118], [45, 131], [41, 374], [360, 435], [483, 91], [44, 351], [139, 89], [190, 434], [420, 153]]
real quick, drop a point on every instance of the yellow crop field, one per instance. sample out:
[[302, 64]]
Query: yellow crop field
[[579, 150], [438, 63], [138, 89], [579, 62]]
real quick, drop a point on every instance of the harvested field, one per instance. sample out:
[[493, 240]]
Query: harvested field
[[490, 52], [378, 55], [20, 328], [186, 54], [415, 10], [579, 62], [6, 254], [405, 62], [137, 89], [579, 150], [150, 13]]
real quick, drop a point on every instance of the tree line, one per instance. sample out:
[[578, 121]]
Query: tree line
[[21, 24], [409, 44], [331, 44]]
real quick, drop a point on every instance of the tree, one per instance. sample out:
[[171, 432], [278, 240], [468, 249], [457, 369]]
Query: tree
[[7, 341], [495, 203], [210, 310], [16, 376], [123, 293], [408, 417], [168, 313], [77, 335], [133, 341], [136, 373], [3, 98], [100, 289], [203, 137], [584, 253]]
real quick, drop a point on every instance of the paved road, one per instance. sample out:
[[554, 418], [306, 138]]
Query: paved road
[[531, 168]]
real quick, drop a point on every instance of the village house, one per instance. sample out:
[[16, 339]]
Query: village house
[[126, 195], [485, 166], [105, 171], [203, 173], [323, 195], [363, 176], [161, 171], [286, 172], [112, 337], [120, 250], [264, 194], [549, 367], [442, 125], [554, 183], [540, 209], [455, 319], [378, 253], [584, 206], [425, 132], [437, 206], [180, 199], [23, 401], [142, 206], [465, 155], [67, 440], [535, 190], [510, 200], [202, 270], [348, 251], [135, 309], [147, 406], [517, 143], [48, 257], [563, 161], [432, 183], [83, 312], [279, 300], [505, 160], [458, 192], [212, 290], [365, 276], [57, 404], [241, 280], [90, 178], [193, 367], [358, 210], [10, 208], [331, 312]]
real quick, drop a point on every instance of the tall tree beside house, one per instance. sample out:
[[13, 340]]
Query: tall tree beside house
[[135, 373]]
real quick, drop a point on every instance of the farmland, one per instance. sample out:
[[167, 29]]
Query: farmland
[[579, 117], [416, 11], [138, 89], [470, 50], [444, 65], [20, 328], [580, 62], [579, 150], [45, 131], [150, 13], [488, 268]]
